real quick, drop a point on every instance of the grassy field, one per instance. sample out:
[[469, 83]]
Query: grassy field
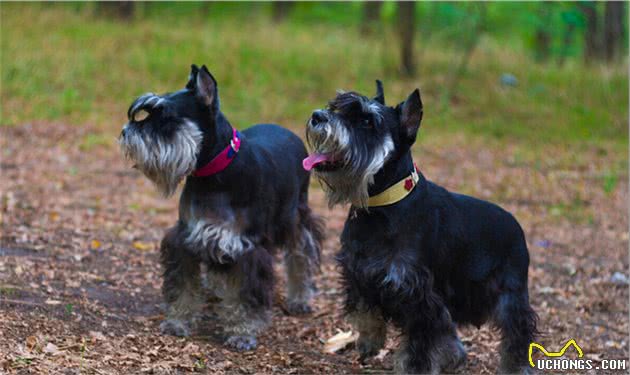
[[71, 66]]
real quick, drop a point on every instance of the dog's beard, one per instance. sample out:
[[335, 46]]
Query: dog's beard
[[164, 163], [358, 165]]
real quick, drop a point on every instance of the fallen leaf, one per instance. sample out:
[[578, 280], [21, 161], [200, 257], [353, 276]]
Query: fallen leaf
[[95, 244], [307, 331], [31, 342], [547, 290], [340, 341], [51, 348], [619, 279], [97, 335], [142, 246]]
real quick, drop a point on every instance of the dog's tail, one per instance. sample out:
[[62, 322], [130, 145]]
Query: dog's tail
[[312, 233]]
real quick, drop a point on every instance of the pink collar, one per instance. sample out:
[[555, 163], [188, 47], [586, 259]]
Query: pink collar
[[221, 161]]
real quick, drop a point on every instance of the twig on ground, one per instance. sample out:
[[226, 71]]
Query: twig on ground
[[18, 302]]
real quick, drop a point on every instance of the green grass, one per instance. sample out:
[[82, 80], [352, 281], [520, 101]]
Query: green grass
[[61, 63], [8, 291], [610, 182]]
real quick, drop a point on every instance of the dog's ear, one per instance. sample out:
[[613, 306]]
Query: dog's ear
[[411, 116], [380, 94], [206, 88], [192, 77]]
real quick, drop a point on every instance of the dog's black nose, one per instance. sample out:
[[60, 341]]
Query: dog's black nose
[[318, 117]]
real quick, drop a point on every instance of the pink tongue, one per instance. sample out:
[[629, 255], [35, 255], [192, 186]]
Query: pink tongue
[[312, 160]]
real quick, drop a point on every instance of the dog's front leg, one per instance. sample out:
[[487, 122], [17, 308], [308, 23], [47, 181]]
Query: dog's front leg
[[181, 287], [431, 344], [245, 309], [372, 330]]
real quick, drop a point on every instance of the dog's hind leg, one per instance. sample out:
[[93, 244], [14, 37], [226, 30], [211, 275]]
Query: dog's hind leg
[[245, 309], [181, 287], [517, 321], [302, 260]]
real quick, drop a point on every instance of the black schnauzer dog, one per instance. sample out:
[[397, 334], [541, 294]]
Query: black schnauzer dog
[[413, 253], [245, 195]]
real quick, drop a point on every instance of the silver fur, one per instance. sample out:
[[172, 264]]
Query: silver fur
[[401, 357], [372, 329], [182, 314], [373, 108], [223, 241], [164, 163], [239, 322], [350, 183], [300, 268], [366, 106]]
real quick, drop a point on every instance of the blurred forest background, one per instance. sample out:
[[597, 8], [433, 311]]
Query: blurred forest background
[[543, 70]]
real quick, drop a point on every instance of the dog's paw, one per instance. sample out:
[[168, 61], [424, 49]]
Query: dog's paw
[[175, 327], [453, 359], [367, 349], [298, 308], [241, 343]]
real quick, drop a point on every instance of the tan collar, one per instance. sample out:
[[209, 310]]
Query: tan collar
[[396, 192]]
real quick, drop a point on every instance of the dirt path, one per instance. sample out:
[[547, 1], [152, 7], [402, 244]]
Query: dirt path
[[79, 276]]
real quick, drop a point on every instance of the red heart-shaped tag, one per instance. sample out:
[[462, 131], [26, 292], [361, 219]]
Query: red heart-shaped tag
[[408, 184]]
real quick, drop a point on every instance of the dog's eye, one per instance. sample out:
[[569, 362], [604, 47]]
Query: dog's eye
[[140, 115]]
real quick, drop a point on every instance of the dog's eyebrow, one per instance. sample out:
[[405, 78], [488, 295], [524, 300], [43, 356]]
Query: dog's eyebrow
[[347, 101], [344, 101], [145, 101]]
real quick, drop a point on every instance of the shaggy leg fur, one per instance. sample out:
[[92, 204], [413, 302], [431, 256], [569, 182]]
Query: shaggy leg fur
[[302, 260], [300, 287], [246, 293], [431, 344], [517, 322], [449, 354], [181, 287], [372, 330]]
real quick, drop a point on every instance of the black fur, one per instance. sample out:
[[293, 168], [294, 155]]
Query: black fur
[[433, 259], [233, 220]]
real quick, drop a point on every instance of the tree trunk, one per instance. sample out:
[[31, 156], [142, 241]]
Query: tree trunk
[[543, 45], [120, 9], [567, 41], [613, 28], [406, 28], [474, 34], [592, 45], [280, 10], [371, 16], [542, 38]]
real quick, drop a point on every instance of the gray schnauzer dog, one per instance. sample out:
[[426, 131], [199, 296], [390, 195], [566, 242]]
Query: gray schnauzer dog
[[413, 253], [245, 195]]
